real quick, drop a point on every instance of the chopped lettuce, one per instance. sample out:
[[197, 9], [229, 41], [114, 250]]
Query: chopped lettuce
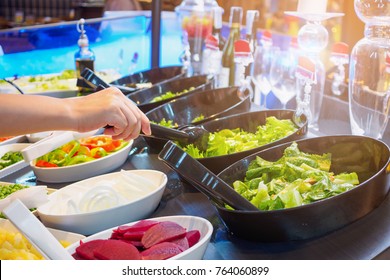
[[229, 141], [296, 179], [170, 94]]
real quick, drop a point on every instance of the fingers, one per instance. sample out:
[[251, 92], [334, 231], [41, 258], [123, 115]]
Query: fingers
[[131, 120]]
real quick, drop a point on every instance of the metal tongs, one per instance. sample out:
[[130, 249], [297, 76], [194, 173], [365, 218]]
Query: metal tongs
[[95, 82], [189, 135]]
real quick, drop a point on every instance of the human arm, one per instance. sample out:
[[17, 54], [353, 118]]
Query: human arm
[[23, 114]]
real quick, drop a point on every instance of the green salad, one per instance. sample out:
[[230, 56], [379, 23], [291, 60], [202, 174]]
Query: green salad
[[171, 94], [228, 141], [10, 158], [296, 179], [166, 123]]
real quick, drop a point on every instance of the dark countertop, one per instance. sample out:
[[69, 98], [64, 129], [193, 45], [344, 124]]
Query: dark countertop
[[367, 238]]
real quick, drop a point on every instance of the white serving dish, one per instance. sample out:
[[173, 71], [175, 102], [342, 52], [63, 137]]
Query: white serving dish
[[60, 211], [15, 139], [196, 252], [16, 166], [35, 137], [83, 170]]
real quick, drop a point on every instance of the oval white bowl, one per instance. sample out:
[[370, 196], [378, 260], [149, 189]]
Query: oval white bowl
[[83, 170], [196, 252], [88, 223]]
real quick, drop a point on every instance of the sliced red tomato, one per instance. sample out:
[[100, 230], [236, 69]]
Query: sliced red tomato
[[44, 163], [101, 141]]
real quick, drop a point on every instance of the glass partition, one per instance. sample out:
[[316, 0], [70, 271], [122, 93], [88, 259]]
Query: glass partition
[[116, 39]]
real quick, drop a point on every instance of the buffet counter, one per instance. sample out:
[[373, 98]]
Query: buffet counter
[[367, 238]]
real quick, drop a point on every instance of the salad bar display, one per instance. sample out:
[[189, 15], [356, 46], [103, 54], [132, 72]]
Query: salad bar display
[[143, 199]]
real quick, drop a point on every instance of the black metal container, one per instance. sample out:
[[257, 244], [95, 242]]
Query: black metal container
[[366, 156], [249, 121], [143, 98], [153, 76], [211, 104]]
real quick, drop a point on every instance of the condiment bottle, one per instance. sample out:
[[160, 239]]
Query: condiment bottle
[[226, 77], [84, 57]]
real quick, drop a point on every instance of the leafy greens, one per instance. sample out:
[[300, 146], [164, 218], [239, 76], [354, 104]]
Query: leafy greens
[[228, 141], [296, 179]]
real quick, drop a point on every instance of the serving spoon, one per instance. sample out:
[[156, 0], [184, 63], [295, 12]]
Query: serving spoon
[[39, 236]]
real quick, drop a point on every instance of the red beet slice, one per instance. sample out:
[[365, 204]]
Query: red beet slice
[[193, 237], [133, 235], [117, 250], [182, 242], [162, 232], [77, 257], [142, 225], [86, 249], [116, 235], [161, 251], [137, 244]]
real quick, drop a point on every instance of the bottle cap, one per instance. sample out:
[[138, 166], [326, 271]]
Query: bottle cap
[[211, 42], [83, 39]]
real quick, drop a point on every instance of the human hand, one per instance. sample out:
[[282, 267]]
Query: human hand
[[110, 108]]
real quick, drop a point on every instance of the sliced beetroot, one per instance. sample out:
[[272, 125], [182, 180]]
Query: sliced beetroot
[[77, 257], [137, 244], [161, 251], [193, 237], [116, 235], [182, 242], [140, 226], [117, 250], [162, 232], [85, 249], [133, 235]]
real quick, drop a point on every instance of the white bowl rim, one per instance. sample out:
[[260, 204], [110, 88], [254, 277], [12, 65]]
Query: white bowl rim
[[129, 144], [78, 215]]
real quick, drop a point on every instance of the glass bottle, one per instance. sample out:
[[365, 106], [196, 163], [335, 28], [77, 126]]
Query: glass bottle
[[369, 72], [252, 17], [84, 57], [226, 77], [217, 26]]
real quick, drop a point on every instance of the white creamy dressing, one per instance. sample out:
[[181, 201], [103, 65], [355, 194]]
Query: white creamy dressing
[[85, 197]]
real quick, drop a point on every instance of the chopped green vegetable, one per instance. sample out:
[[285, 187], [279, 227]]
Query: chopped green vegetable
[[166, 123], [296, 179], [198, 118], [228, 141], [10, 158], [170, 94]]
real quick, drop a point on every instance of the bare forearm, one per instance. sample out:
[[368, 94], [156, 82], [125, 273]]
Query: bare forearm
[[22, 114]]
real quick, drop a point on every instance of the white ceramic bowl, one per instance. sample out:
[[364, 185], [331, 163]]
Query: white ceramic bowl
[[67, 211], [16, 166], [196, 252], [83, 170]]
